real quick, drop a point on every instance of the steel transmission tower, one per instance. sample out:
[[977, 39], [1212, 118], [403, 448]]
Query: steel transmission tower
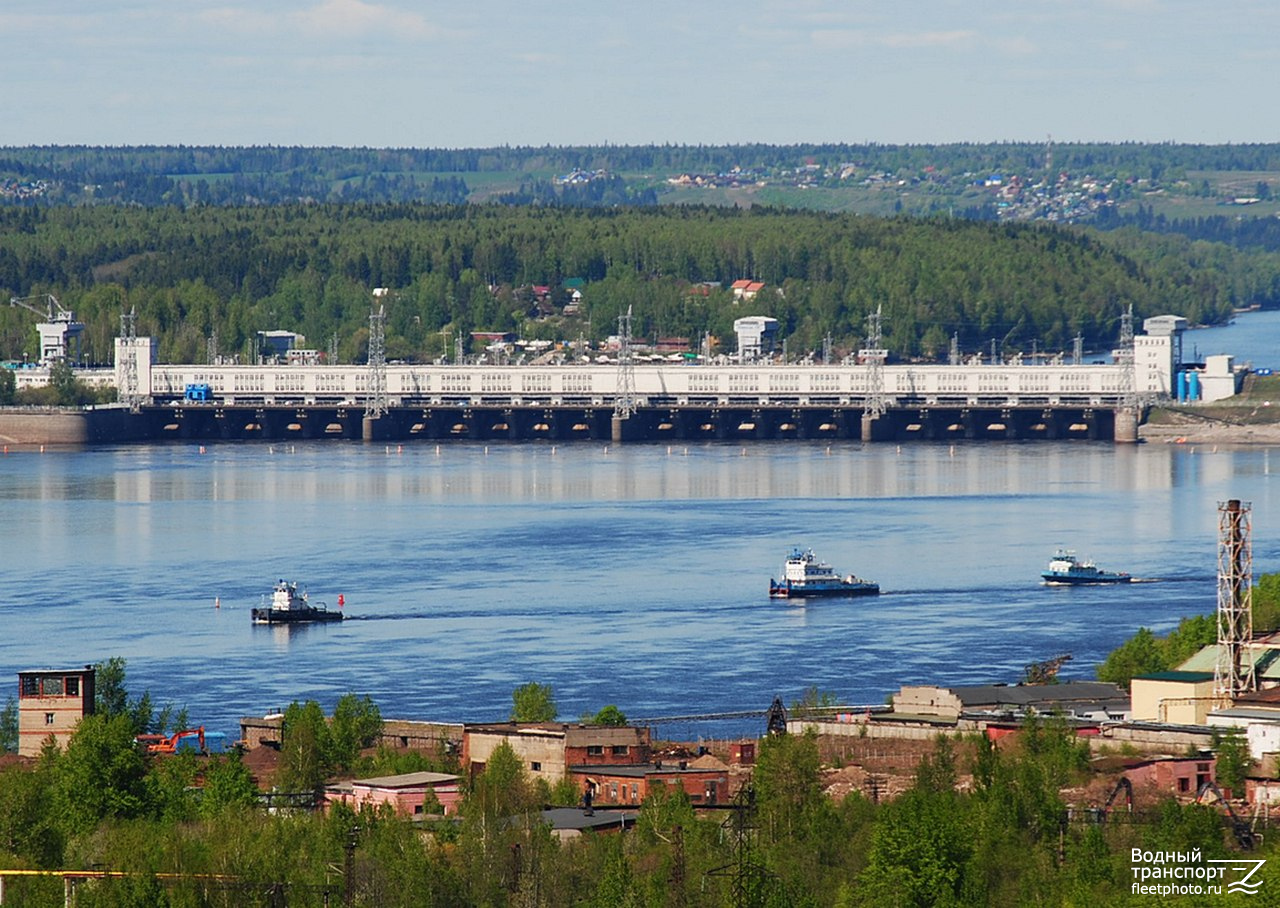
[[1233, 670], [1124, 356], [625, 403], [874, 356], [130, 396], [376, 404]]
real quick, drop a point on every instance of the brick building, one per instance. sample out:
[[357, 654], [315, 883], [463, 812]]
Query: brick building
[[548, 749], [51, 703], [406, 793], [704, 780]]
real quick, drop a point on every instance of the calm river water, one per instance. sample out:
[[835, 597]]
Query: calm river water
[[630, 576], [633, 575]]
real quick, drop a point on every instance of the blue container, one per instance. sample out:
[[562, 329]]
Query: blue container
[[1182, 387], [215, 742], [1193, 386]]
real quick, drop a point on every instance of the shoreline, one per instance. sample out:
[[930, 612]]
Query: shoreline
[[1216, 427]]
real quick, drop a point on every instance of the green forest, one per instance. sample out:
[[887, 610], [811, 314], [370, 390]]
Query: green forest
[[205, 273], [978, 825]]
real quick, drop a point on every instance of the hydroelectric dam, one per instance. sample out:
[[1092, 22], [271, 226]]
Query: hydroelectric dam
[[867, 399]]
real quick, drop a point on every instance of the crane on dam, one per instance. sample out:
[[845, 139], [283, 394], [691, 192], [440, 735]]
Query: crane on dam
[[59, 332]]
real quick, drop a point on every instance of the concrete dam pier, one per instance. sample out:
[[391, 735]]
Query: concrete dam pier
[[186, 421]]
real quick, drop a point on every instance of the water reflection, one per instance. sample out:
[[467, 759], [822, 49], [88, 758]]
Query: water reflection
[[633, 575]]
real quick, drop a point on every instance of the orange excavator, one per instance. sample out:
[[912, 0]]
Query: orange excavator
[[188, 739]]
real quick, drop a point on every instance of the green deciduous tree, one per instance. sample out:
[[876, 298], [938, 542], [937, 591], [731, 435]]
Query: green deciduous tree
[[1231, 747], [356, 724], [102, 774], [305, 748], [110, 696], [609, 715], [227, 784], [1266, 603], [1144, 652], [9, 727], [533, 702], [27, 827], [1139, 655], [495, 820]]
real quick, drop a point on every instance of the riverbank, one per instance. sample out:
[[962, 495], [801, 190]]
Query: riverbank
[[1252, 417]]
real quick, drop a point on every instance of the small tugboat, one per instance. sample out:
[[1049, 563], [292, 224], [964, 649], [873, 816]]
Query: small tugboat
[[1066, 569], [805, 577], [289, 606]]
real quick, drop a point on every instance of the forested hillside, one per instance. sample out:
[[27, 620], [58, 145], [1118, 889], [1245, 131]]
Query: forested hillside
[[191, 273]]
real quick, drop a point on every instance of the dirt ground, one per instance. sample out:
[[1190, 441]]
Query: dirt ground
[[1252, 417]]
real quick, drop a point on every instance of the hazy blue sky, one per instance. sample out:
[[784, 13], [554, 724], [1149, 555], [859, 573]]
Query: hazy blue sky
[[471, 73]]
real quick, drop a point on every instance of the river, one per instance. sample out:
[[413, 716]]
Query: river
[[633, 575]]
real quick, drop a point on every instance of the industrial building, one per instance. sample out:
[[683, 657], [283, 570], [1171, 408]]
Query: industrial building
[[549, 749]]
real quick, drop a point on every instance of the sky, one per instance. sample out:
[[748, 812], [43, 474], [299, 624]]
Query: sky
[[481, 73]]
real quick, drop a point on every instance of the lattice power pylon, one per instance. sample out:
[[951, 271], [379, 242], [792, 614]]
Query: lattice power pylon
[[130, 395], [1233, 670], [625, 403], [873, 356], [376, 403], [1124, 357]]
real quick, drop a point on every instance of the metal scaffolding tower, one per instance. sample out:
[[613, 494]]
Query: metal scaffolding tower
[[1124, 357], [625, 403], [130, 395], [1233, 670], [376, 404], [873, 356]]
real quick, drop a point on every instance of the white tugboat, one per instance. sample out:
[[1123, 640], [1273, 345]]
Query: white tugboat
[[1068, 570], [289, 605], [805, 577]]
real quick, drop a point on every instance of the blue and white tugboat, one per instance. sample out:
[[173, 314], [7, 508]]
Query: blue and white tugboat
[[805, 577], [1068, 570], [289, 605]]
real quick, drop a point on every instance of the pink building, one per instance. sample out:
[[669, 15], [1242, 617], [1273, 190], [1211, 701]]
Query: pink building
[[1172, 775], [406, 793]]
